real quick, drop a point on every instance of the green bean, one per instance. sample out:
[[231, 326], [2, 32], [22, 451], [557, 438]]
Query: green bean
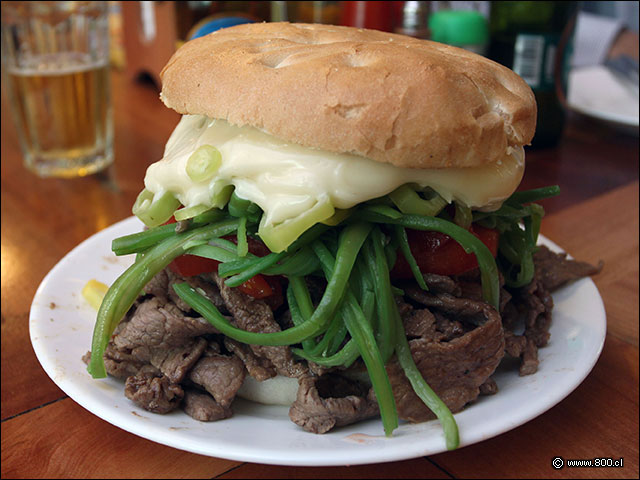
[[256, 267], [362, 333], [336, 333], [300, 264], [138, 242], [403, 241], [401, 345], [387, 306], [344, 358], [534, 195], [469, 242], [128, 286], [297, 317], [384, 210], [352, 238], [227, 245], [243, 245], [213, 252], [422, 388]]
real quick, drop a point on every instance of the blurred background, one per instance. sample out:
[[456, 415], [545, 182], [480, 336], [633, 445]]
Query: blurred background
[[580, 58]]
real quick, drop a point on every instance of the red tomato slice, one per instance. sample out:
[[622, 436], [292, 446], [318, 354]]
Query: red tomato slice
[[191, 265], [438, 253], [257, 286]]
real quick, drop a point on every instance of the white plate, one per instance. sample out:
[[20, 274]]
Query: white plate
[[61, 325], [595, 91]]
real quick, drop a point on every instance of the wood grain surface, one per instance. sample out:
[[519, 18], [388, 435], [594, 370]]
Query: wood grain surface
[[45, 434]]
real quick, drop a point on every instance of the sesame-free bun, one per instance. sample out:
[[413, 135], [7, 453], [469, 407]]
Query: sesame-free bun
[[388, 97]]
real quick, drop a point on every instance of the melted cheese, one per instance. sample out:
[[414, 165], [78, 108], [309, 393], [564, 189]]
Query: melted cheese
[[286, 180]]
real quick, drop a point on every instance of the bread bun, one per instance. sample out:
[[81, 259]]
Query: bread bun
[[391, 98]]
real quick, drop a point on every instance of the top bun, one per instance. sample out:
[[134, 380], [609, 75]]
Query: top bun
[[391, 98]]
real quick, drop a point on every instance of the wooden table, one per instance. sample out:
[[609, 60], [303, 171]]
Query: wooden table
[[46, 434]]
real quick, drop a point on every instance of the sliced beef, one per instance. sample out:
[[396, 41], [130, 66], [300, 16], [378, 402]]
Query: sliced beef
[[160, 324], [442, 284], [254, 315], [175, 362], [161, 286], [153, 391], [121, 364], [201, 406], [489, 387], [323, 403], [556, 270], [455, 357], [220, 375], [200, 283], [259, 368]]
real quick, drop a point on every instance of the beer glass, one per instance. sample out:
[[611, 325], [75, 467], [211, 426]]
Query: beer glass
[[55, 67]]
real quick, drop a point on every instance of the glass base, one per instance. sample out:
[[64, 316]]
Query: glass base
[[68, 167]]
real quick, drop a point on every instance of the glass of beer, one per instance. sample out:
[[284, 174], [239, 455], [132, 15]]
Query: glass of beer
[[55, 66]]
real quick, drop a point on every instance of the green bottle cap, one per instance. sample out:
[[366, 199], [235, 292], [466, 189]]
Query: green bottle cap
[[461, 28]]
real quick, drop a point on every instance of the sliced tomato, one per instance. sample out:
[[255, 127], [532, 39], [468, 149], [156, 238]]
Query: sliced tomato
[[258, 286], [190, 265], [438, 253]]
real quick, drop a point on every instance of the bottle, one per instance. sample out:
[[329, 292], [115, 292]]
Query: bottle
[[534, 39], [466, 29], [414, 20]]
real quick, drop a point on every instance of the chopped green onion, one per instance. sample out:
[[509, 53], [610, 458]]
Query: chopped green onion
[[280, 236], [190, 212], [203, 163], [154, 211], [409, 202]]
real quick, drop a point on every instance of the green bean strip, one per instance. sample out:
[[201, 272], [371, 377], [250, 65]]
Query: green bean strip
[[362, 333], [337, 331], [387, 305], [227, 245], [469, 242], [297, 316], [300, 264], [423, 390], [138, 242], [352, 238], [128, 286], [212, 252], [243, 245], [534, 195], [403, 241], [403, 351], [344, 358], [262, 263]]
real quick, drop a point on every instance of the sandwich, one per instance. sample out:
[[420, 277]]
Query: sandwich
[[335, 225]]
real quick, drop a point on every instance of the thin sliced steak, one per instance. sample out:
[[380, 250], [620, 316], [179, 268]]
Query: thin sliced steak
[[153, 391], [323, 403], [201, 406], [254, 315]]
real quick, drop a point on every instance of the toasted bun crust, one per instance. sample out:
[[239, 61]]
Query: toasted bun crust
[[391, 98]]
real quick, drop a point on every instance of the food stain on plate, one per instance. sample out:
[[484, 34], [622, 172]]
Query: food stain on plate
[[363, 438]]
